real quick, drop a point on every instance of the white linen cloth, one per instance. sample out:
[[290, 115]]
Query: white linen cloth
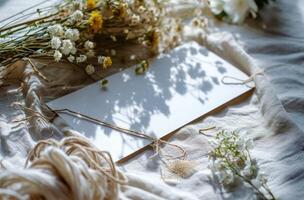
[[274, 115]]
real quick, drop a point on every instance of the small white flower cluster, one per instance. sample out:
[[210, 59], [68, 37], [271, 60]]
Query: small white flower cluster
[[64, 41], [135, 20], [81, 58], [89, 46], [90, 69], [72, 34], [234, 11], [56, 30], [77, 16], [232, 163]]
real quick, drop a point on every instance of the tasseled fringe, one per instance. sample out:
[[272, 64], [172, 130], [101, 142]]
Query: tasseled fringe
[[69, 169], [182, 168]]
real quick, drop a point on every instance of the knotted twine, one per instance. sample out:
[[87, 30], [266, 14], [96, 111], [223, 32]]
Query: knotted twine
[[155, 142], [176, 164], [69, 169]]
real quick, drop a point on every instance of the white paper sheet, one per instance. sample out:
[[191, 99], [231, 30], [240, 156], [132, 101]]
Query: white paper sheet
[[178, 88]]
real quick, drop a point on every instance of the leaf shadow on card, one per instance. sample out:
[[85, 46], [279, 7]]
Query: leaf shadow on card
[[150, 103]]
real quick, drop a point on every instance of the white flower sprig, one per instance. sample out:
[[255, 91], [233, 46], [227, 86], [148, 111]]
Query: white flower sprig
[[236, 11], [232, 164]]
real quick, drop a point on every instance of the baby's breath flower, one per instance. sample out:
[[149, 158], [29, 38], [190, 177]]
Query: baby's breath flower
[[81, 58], [100, 59], [67, 47], [80, 20], [90, 69], [135, 19], [71, 58], [95, 21], [73, 50], [57, 55], [77, 16], [232, 163], [55, 42], [88, 45], [55, 30], [72, 34]]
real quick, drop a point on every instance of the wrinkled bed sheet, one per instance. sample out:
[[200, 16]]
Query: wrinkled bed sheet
[[273, 115]]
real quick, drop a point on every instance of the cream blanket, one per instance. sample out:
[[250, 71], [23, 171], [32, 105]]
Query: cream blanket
[[273, 115]]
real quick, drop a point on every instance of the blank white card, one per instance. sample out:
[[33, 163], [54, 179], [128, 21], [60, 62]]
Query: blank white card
[[178, 88]]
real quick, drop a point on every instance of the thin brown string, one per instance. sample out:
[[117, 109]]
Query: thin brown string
[[155, 143], [105, 124]]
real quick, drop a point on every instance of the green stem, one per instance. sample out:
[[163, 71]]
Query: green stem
[[248, 181]]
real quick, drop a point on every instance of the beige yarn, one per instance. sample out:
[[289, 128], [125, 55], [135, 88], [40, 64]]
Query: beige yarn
[[69, 169]]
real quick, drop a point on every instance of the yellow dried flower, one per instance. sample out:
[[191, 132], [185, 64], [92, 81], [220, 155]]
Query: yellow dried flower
[[95, 21], [91, 4], [105, 61]]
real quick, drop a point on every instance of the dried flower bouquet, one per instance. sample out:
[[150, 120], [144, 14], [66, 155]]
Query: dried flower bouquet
[[84, 32]]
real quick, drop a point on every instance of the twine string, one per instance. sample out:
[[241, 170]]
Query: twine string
[[238, 81], [155, 142]]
